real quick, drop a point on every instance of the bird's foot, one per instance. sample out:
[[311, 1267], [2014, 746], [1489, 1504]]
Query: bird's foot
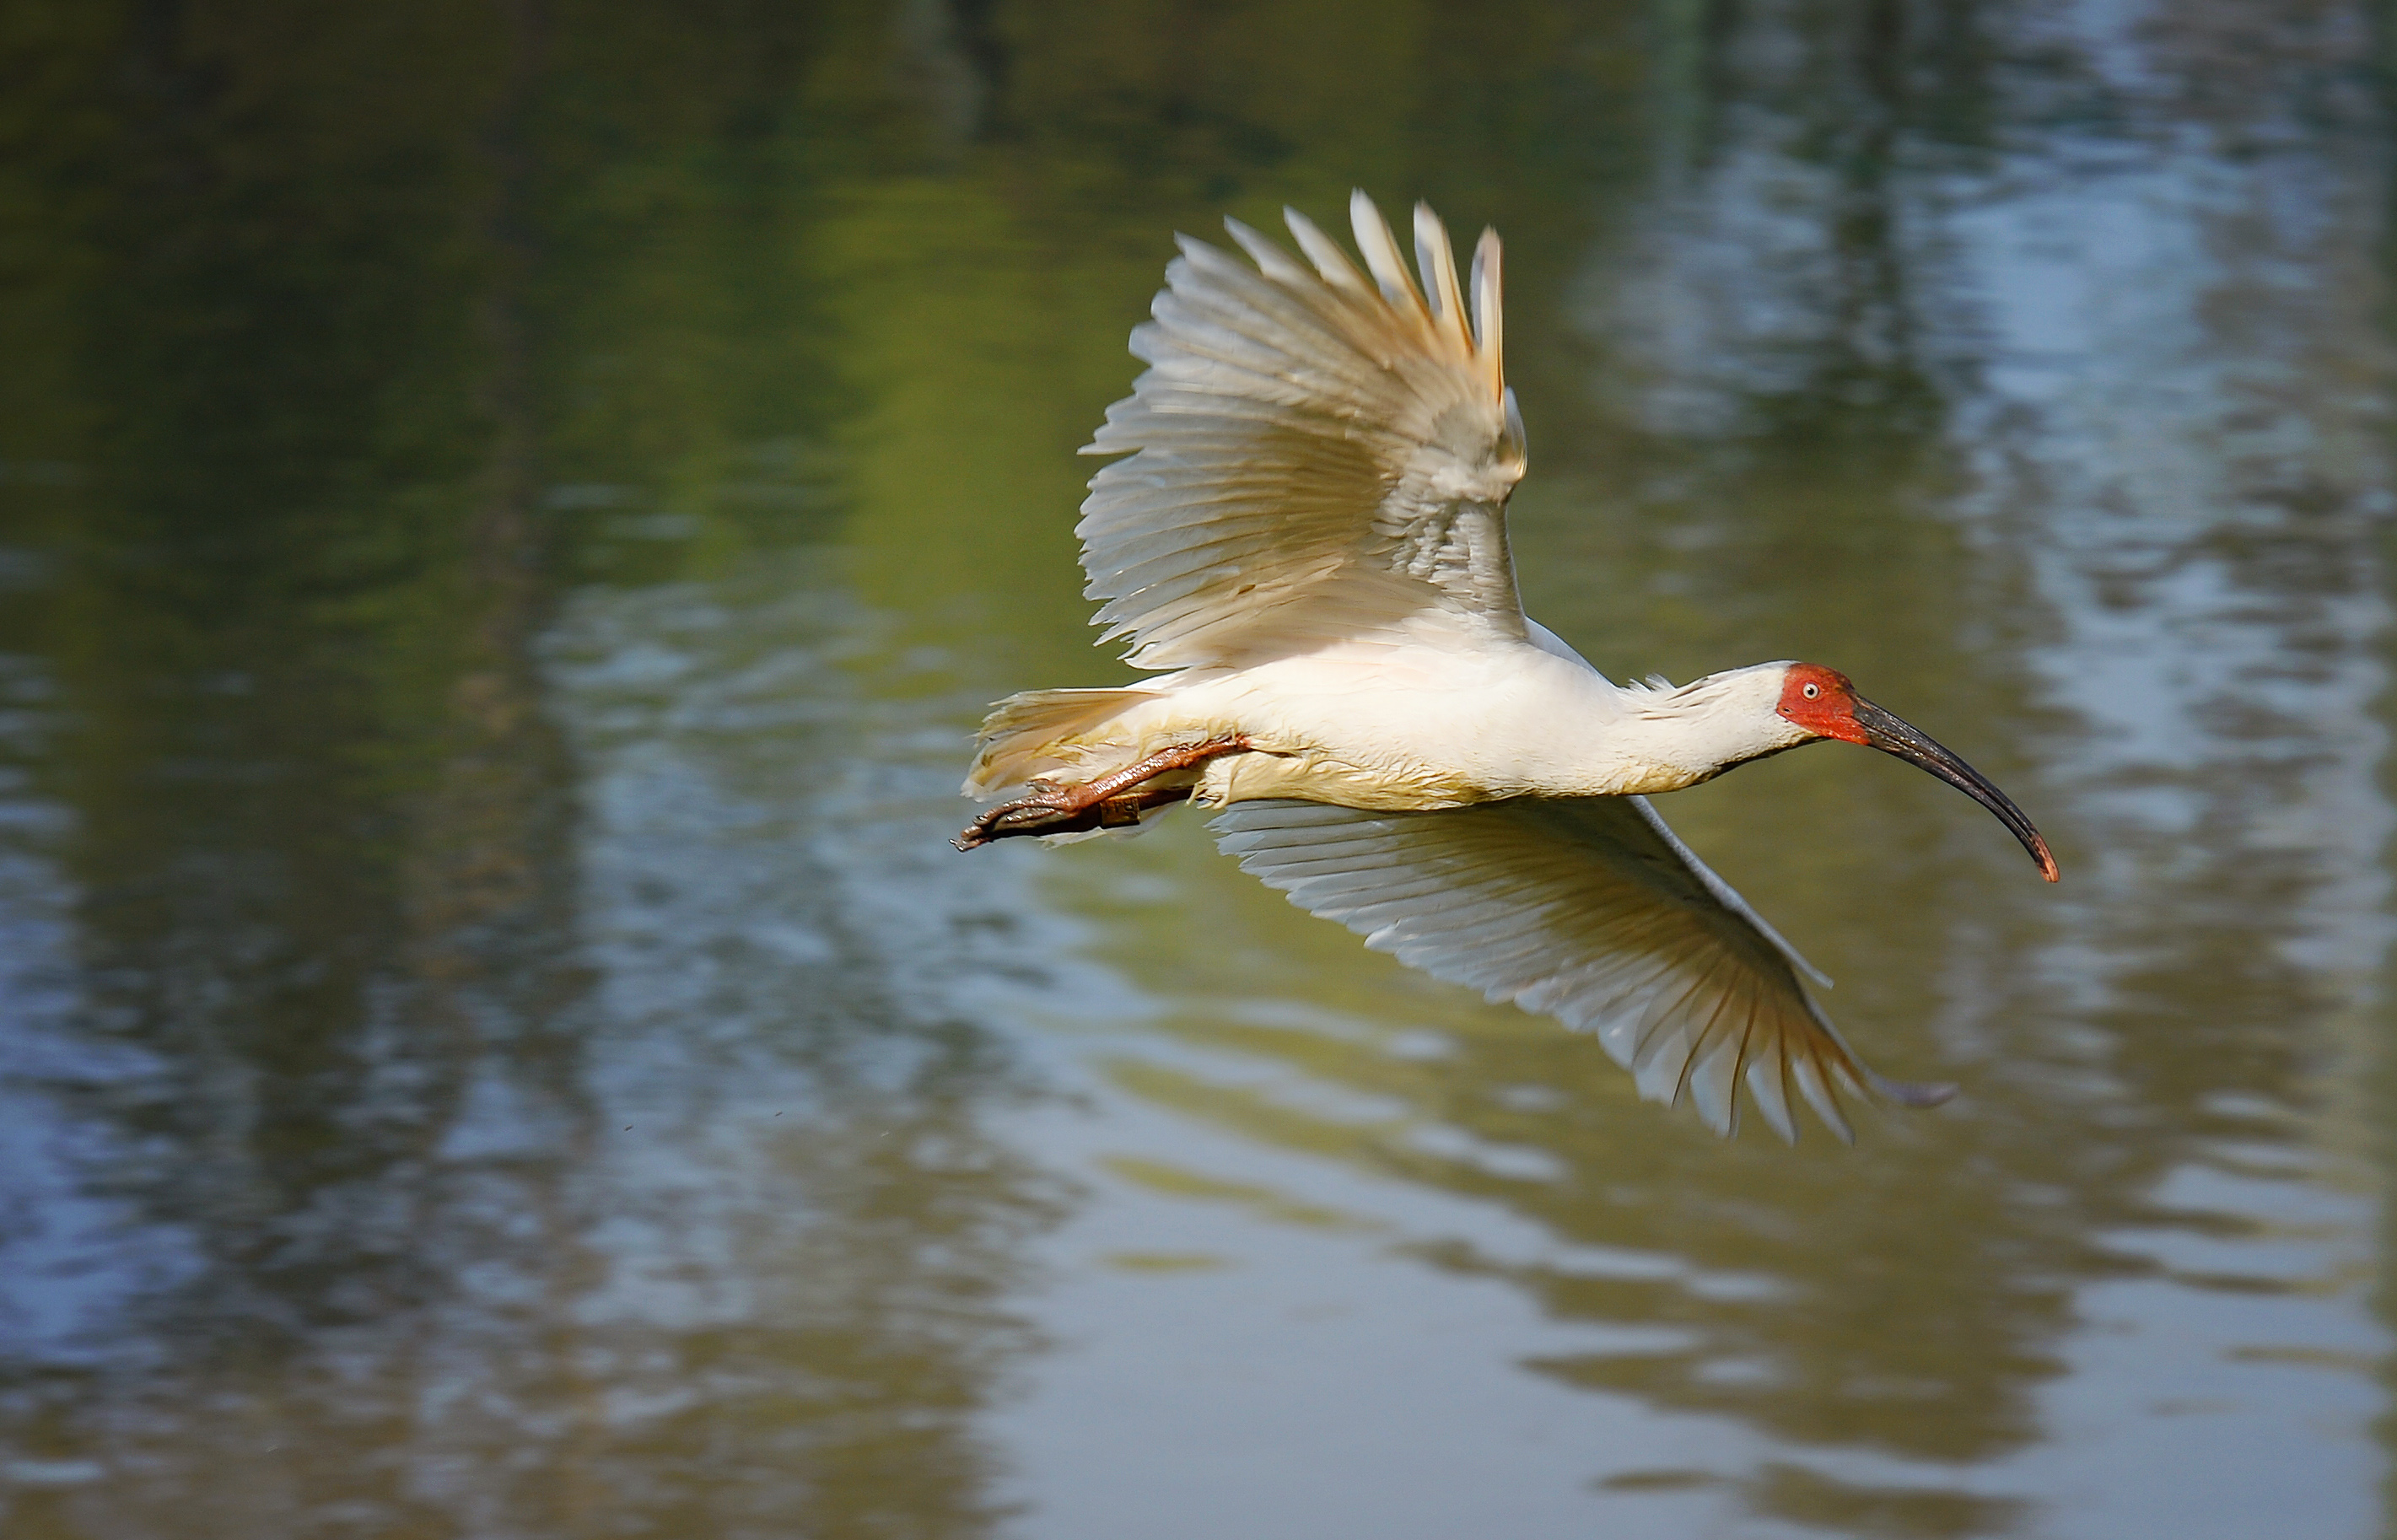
[[1057, 813], [1112, 801]]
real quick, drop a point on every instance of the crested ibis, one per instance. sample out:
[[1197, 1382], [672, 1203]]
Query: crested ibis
[[1306, 540]]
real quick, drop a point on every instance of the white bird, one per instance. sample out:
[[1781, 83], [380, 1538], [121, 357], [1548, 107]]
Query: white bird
[[1308, 540]]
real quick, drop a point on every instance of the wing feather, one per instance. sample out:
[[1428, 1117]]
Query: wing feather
[[1381, 251], [1267, 253], [1436, 260], [1589, 910], [1310, 453], [1332, 264], [1488, 330]]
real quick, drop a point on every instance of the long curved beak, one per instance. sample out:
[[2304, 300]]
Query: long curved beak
[[1891, 734]]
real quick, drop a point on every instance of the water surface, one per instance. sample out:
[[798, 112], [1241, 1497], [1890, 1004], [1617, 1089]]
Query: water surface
[[507, 516]]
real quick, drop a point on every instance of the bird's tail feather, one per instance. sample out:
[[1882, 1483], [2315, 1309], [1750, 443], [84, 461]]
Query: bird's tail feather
[[1035, 733]]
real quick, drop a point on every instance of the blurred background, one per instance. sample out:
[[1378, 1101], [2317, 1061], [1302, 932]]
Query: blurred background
[[509, 509]]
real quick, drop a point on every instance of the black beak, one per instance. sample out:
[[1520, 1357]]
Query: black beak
[[1891, 735]]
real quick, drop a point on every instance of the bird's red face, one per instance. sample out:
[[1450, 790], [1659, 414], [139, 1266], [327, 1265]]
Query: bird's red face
[[1821, 701]]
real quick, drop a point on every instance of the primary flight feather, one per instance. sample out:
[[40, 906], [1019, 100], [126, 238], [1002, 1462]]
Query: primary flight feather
[[1306, 536]]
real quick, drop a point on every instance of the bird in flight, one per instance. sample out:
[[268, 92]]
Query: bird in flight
[[1305, 539]]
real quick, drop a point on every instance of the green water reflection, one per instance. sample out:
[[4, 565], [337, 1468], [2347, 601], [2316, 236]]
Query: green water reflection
[[505, 513]]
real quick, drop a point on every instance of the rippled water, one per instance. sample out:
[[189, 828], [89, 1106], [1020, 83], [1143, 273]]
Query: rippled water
[[506, 519]]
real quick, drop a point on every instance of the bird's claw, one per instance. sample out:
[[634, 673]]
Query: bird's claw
[[1112, 801], [1063, 812], [1029, 814]]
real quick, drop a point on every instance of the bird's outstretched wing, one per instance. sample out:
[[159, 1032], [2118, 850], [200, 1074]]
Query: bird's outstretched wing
[[1589, 910], [1314, 453]]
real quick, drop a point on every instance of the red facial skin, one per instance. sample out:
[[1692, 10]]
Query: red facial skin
[[1830, 712]]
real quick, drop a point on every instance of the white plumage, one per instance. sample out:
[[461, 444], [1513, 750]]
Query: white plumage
[[1311, 457], [1308, 533]]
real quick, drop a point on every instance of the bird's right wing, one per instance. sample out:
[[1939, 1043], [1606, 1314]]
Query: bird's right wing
[[1589, 910], [1313, 454]]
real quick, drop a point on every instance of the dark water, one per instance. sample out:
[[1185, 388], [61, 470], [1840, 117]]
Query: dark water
[[506, 515]]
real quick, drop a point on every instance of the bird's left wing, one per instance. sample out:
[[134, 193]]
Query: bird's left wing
[[1313, 453], [1589, 910]]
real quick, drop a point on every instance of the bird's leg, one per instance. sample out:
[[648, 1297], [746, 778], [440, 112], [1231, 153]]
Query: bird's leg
[[1110, 801], [1121, 811]]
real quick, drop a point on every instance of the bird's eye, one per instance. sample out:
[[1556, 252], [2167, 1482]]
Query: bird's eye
[[1813, 691]]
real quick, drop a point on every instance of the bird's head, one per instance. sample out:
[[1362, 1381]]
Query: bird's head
[[1821, 702]]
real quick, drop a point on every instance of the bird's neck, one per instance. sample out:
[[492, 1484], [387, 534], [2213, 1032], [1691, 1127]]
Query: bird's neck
[[1668, 738]]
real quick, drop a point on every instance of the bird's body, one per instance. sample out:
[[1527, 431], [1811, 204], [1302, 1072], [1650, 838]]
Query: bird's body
[[1411, 722], [1308, 543]]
